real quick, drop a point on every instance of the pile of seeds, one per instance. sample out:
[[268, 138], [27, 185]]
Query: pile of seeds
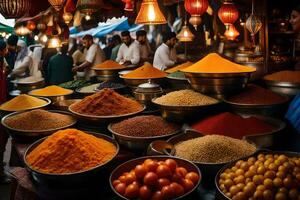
[[144, 126], [213, 149], [185, 98], [38, 120]]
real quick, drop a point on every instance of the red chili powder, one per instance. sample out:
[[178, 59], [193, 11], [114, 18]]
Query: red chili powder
[[232, 125]]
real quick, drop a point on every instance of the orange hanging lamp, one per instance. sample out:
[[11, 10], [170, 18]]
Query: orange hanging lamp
[[228, 13], [31, 25], [57, 4], [150, 13], [13, 9], [196, 8], [231, 33]]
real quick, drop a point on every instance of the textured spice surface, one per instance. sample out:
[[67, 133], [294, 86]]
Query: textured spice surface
[[111, 85], [70, 151], [22, 102], [109, 64], [144, 126], [213, 149], [145, 71], [185, 98], [213, 63], [179, 67], [39, 120], [255, 95], [232, 125], [284, 76], [106, 103], [89, 88], [52, 90]]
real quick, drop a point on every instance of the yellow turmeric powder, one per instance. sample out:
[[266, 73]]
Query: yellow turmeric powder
[[69, 151], [52, 90], [179, 67], [144, 72], [109, 64], [213, 63], [22, 102]]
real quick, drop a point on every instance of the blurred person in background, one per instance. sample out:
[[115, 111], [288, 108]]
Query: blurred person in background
[[145, 50], [117, 42], [12, 51], [78, 56], [109, 46]]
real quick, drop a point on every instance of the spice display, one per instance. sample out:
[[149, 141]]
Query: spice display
[[255, 95], [145, 126], [145, 71], [111, 85], [284, 76], [232, 125], [109, 64], [69, 151], [179, 67], [154, 179], [52, 90], [27, 121], [213, 149], [22, 102], [74, 84], [185, 98], [213, 63], [88, 89], [177, 75], [266, 176], [106, 103]]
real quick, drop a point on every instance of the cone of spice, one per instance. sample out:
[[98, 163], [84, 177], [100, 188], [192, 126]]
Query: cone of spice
[[52, 90], [108, 64], [23, 102], [147, 71], [179, 67], [284, 76]]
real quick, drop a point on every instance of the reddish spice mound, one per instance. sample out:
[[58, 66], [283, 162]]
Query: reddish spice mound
[[106, 103], [256, 95], [232, 125]]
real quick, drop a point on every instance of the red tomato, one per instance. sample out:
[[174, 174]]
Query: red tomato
[[163, 171], [150, 179], [163, 182], [132, 191], [122, 179], [177, 188], [193, 176], [177, 178], [120, 188], [116, 182], [161, 162], [167, 192], [171, 163], [129, 178], [157, 196], [188, 185], [145, 192], [140, 171], [181, 171], [151, 165]]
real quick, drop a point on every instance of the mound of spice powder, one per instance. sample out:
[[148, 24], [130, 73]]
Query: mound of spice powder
[[145, 71], [284, 76], [106, 102], [69, 151], [179, 67], [144, 126], [109, 64], [51, 90], [22, 102], [255, 95], [232, 125]]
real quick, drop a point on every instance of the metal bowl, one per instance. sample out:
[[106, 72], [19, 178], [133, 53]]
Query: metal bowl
[[219, 194], [53, 98], [108, 72], [135, 82], [178, 83], [28, 135], [101, 120], [185, 113], [138, 143], [64, 104], [218, 84], [69, 179], [283, 88], [26, 87], [84, 94], [129, 165]]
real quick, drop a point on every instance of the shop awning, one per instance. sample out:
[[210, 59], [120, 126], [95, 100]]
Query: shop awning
[[5, 28]]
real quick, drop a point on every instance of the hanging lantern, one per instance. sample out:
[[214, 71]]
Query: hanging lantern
[[128, 5], [41, 27], [196, 8], [185, 35], [67, 17], [231, 33], [57, 4], [31, 25], [14, 8], [150, 13], [43, 38], [228, 13], [89, 6], [22, 30], [253, 24], [70, 6], [54, 42]]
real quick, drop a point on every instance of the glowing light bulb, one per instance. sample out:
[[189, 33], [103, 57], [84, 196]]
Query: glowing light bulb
[[88, 17], [151, 13], [44, 38], [36, 38]]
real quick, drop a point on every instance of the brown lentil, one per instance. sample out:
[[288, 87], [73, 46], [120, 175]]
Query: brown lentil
[[213, 149], [144, 126], [37, 120], [185, 98]]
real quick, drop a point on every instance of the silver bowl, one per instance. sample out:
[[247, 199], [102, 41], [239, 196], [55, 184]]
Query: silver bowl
[[283, 88], [26, 87], [67, 179], [218, 84], [22, 135], [53, 98], [135, 82], [138, 143]]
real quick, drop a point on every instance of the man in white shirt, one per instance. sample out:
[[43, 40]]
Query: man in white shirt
[[164, 55], [129, 52], [94, 56]]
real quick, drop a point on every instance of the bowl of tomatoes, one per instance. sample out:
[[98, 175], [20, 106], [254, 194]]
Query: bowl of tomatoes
[[155, 177]]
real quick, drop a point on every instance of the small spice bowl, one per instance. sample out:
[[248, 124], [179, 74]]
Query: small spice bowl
[[129, 165], [283, 88], [70, 179]]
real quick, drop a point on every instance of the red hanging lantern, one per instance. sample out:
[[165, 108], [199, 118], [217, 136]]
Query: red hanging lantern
[[228, 13], [196, 8], [231, 33], [70, 6], [11, 9], [128, 5], [31, 25]]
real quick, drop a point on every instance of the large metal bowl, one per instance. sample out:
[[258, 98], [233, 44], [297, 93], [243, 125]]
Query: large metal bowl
[[69, 179], [185, 113], [108, 72], [135, 82], [178, 83], [53, 98], [129, 165], [283, 88], [138, 143], [28, 86], [29, 135], [218, 84]]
